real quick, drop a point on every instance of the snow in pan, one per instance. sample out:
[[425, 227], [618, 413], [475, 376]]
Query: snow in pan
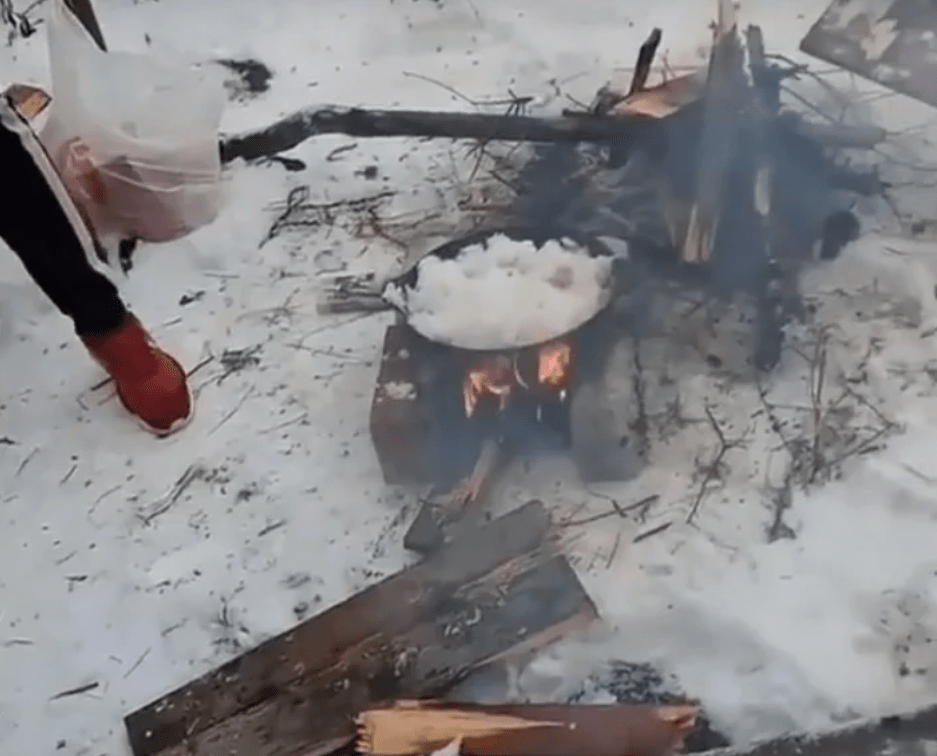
[[135, 565], [503, 293]]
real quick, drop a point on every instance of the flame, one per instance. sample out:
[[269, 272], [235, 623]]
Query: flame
[[553, 362], [500, 375], [492, 375]]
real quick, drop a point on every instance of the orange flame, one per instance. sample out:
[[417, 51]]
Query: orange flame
[[492, 375], [499, 375], [553, 362]]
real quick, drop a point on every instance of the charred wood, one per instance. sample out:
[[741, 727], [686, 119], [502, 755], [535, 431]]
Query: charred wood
[[570, 129], [645, 60]]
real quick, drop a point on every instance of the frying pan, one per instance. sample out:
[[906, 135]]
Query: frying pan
[[407, 281]]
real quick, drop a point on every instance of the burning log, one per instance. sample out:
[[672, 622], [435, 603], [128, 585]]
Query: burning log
[[416, 727]]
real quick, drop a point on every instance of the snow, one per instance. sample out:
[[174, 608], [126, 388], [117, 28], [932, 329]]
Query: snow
[[138, 564], [504, 293]]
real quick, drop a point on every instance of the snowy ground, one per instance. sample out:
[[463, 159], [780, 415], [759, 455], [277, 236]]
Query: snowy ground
[[106, 578]]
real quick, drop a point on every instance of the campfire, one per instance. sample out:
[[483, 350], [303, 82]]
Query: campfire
[[705, 188]]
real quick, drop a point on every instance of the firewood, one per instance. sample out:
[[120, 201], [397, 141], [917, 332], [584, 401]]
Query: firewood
[[664, 99], [475, 487], [441, 514], [414, 727], [358, 122], [646, 55], [726, 91], [909, 733], [405, 730], [414, 634], [635, 121]]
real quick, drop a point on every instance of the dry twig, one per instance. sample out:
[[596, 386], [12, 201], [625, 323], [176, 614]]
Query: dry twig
[[712, 471]]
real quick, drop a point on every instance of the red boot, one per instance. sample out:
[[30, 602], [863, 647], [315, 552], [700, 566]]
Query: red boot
[[151, 385]]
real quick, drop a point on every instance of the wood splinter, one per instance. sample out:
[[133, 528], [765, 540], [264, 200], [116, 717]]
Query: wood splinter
[[418, 727]]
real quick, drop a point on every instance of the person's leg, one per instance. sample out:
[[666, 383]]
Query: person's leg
[[42, 226], [35, 224]]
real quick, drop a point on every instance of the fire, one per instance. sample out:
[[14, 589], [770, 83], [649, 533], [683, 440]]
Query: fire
[[492, 375], [501, 375], [553, 364]]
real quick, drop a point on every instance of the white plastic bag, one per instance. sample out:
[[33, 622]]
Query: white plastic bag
[[135, 138]]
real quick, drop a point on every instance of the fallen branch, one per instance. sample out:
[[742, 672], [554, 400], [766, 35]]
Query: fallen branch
[[569, 128], [76, 691]]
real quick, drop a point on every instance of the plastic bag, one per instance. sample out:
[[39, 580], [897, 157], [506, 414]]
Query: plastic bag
[[135, 138]]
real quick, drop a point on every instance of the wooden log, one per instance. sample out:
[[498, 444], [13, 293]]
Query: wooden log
[[637, 120], [358, 122], [498, 615], [415, 727], [646, 55], [440, 516], [910, 734], [413, 634], [727, 93]]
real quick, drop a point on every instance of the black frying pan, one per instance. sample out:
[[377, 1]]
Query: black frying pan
[[407, 281]]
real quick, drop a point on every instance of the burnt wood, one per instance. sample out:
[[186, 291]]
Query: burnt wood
[[617, 131], [414, 633], [399, 430]]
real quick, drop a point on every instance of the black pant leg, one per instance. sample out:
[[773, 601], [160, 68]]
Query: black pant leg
[[42, 226]]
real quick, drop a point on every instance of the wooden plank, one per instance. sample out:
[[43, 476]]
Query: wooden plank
[[727, 91], [515, 609], [388, 607], [910, 734], [890, 42]]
